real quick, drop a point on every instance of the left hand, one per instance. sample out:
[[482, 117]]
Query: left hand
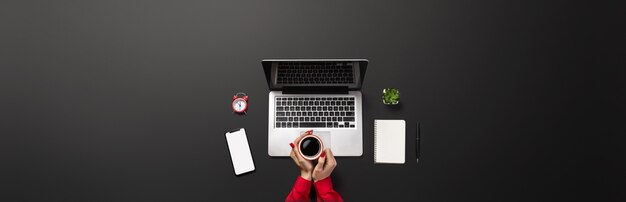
[[306, 166]]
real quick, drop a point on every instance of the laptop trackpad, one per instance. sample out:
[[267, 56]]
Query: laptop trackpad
[[324, 135]]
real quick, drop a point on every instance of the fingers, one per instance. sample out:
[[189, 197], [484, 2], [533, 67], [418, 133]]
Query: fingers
[[293, 156], [292, 153], [332, 163], [320, 163], [294, 145], [295, 142]]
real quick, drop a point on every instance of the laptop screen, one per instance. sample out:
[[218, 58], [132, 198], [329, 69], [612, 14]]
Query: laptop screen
[[340, 73]]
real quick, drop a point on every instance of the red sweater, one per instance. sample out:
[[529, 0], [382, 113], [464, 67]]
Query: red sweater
[[324, 189]]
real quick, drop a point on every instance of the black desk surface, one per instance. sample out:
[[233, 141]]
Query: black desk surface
[[129, 100]]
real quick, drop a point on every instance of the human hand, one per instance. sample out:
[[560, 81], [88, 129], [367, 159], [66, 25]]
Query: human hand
[[325, 165], [306, 166]]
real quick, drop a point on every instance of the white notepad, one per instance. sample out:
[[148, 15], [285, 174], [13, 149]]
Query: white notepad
[[389, 141]]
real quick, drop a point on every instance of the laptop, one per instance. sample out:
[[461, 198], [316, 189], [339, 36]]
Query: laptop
[[322, 95]]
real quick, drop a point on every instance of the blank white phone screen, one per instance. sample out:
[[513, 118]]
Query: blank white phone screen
[[240, 151]]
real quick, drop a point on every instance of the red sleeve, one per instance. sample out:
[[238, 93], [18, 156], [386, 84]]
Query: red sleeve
[[300, 191], [325, 191]]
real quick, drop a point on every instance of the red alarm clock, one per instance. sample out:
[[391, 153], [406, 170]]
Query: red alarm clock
[[240, 103]]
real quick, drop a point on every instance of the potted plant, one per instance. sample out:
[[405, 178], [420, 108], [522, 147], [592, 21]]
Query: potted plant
[[391, 96]]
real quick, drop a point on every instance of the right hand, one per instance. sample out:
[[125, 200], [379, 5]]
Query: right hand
[[306, 166], [325, 165]]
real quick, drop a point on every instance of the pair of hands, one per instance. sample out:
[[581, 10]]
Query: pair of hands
[[326, 163]]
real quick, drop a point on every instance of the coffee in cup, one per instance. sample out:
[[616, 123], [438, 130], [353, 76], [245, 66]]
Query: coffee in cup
[[310, 147]]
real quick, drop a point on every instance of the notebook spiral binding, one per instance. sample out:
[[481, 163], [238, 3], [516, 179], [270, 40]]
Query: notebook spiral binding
[[375, 145]]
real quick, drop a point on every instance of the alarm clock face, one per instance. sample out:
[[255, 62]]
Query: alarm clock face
[[240, 105]]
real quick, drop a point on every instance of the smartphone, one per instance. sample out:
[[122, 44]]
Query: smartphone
[[239, 151]]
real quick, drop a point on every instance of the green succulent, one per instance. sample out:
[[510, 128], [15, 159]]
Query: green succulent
[[391, 96]]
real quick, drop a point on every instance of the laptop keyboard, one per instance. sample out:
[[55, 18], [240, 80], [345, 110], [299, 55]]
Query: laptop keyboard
[[315, 112], [315, 73]]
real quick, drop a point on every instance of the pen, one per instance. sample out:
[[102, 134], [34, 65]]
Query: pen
[[417, 145]]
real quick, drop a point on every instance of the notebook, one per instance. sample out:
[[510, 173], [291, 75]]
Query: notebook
[[389, 141]]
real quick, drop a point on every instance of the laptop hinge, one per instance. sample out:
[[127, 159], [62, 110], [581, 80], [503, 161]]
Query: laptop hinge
[[316, 90]]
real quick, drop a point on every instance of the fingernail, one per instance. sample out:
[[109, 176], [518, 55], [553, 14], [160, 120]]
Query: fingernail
[[291, 145], [323, 154]]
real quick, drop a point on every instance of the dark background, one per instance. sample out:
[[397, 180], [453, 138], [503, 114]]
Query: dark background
[[129, 100]]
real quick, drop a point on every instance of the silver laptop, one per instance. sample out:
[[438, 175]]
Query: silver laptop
[[322, 95]]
